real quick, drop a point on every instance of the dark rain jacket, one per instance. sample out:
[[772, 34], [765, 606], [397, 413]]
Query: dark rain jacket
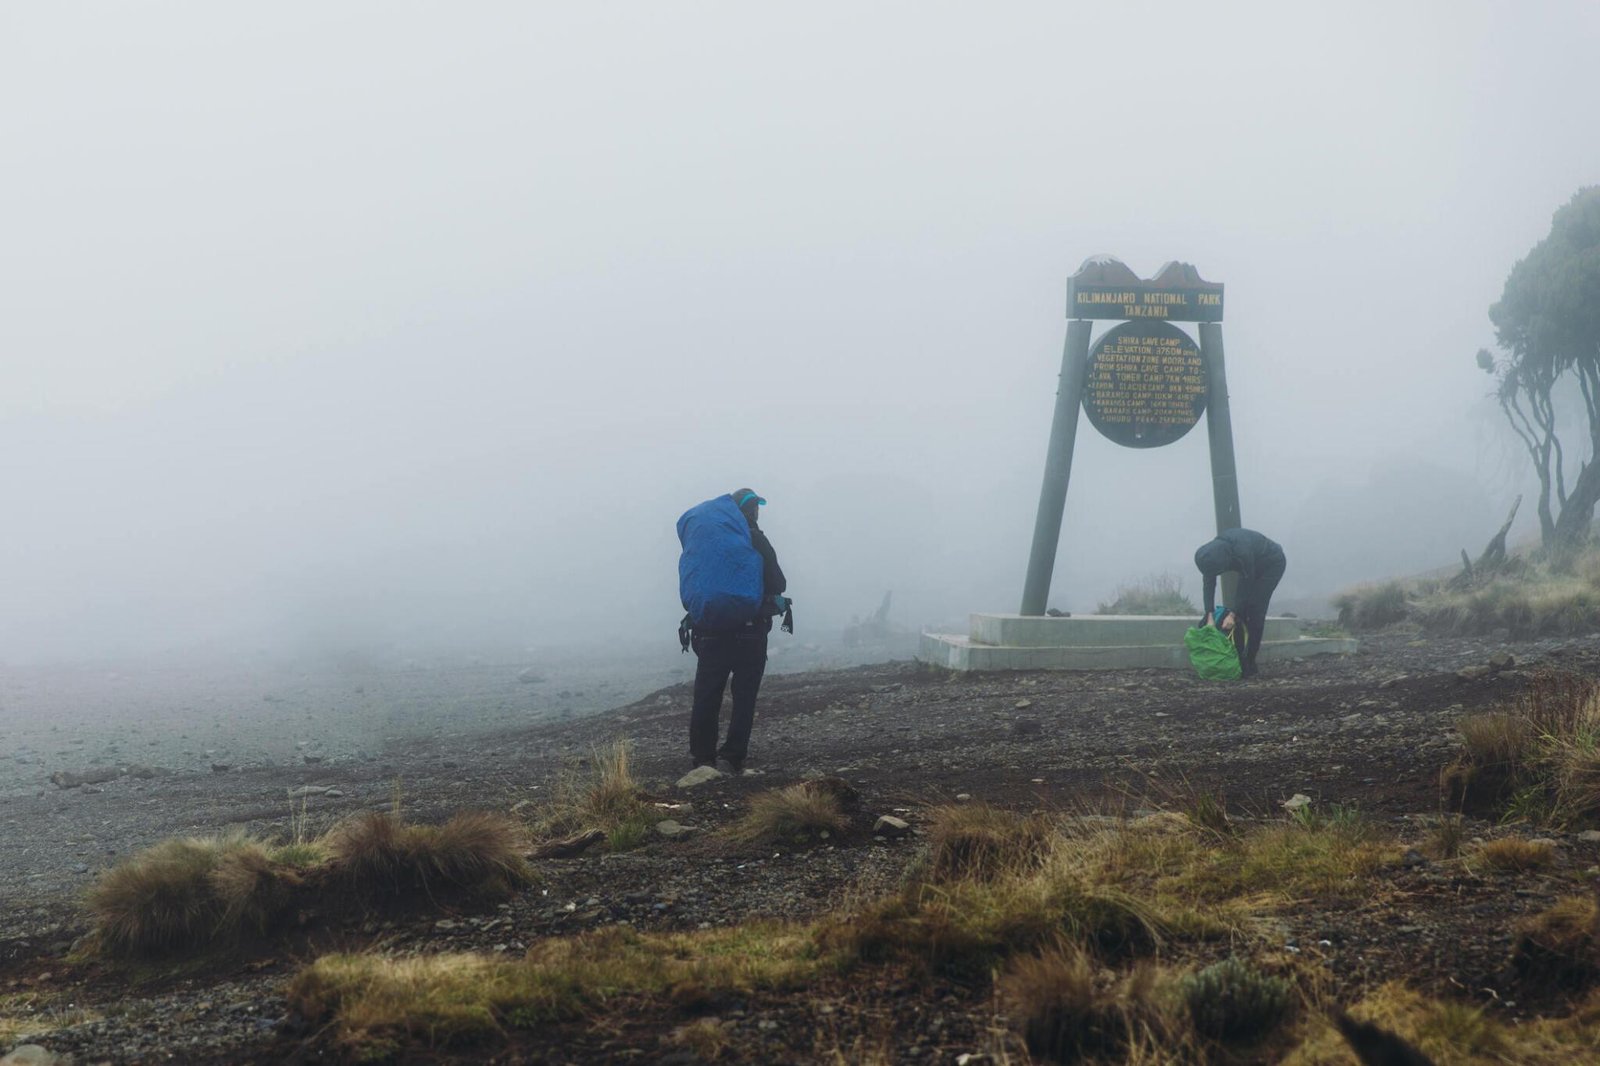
[[1250, 554]]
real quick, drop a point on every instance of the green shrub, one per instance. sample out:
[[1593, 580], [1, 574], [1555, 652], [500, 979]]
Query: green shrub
[[1232, 1000], [1161, 594]]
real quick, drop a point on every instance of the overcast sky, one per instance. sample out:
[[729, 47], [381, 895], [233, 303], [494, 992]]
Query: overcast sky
[[345, 322]]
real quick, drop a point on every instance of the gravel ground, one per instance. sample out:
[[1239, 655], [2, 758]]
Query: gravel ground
[[1372, 730]]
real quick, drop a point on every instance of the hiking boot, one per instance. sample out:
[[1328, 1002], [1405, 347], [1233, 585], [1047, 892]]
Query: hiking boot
[[735, 763]]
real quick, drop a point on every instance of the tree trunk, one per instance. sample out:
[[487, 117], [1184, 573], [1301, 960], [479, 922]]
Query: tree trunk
[[1572, 527]]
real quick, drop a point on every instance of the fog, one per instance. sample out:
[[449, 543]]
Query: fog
[[370, 324]]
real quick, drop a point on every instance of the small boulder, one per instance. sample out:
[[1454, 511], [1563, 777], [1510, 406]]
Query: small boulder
[[531, 676], [32, 1055], [699, 776], [1297, 802], [670, 829], [1027, 727], [1503, 660], [888, 825], [1590, 836], [1473, 673]]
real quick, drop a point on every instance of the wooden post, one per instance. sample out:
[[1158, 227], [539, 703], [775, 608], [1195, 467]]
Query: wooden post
[[1057, 469]]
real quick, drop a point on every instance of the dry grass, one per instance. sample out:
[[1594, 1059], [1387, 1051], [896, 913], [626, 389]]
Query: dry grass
[[1540, 755], [796, 812], [1159, 594], [379, 856], [187, 895], [1456, 1034], [975, 840], [1370, 607], [602, 795], [197, 895], [1511, 855], [375, 1003], [37, 1014], [1068, 1008], [1560, 945]]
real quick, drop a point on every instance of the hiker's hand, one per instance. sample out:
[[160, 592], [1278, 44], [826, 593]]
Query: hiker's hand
[[1205, 620], [781, 603]]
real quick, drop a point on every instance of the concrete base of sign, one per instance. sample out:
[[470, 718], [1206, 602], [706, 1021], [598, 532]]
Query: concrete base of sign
[[1099, 642]]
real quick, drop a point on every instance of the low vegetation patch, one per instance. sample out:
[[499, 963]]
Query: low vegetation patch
[[1371, 607], [1457, 1034], [978, 841], [1524, 596], [192, 894], [1512, 855], [1561, 945], [800, 811], [1068, 1009], [1234, 1001], [602, 794], [1539, 758], [198, 895], [1159, 594], [376, 1003]]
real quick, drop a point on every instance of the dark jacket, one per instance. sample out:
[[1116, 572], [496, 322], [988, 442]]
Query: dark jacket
[[1244, 551], [772, 580]]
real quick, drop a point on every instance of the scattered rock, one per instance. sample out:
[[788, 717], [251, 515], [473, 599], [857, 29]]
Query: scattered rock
[[308, 790], [311, 760], [1473, 673], [221, 767], [1413, 858], [889, 826], [1023, 705], [1395, 680], [1027, 727], [670, 829], [699, 776], [33, 1055], [963, 797], [531, 676], [1590, 836], [1297, 802], [1503, 660]]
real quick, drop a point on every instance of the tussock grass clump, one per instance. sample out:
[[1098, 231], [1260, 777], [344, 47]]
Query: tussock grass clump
[[1446, 837], [375, 1003], [605, 796], [1159, 594], [189, 895], [1512, 855], [1232, 1000], [1540, 755], [980, 842], [1371, 607], [194, 895], [1560, 945], [376, 854], [1447, 1032], [797, 811], [1068, 1009]]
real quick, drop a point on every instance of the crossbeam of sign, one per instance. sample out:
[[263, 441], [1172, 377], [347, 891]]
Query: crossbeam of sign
[[1105, 287], [1145, 385]]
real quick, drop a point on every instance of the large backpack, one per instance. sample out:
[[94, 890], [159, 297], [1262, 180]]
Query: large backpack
[[720, 573]]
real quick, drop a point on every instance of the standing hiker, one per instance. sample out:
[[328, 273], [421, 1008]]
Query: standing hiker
[[731, 587], [1259, 562]]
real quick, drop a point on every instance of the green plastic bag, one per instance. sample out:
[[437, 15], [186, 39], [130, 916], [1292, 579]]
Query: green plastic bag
[[1212, 653]]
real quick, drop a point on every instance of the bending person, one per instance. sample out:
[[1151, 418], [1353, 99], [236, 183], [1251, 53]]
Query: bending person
[[1260, 563]]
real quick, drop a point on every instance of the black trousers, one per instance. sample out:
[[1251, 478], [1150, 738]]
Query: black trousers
[[743, 655], [1253, 596]]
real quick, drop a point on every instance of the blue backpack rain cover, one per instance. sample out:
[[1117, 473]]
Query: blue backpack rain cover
[[720, 572]]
